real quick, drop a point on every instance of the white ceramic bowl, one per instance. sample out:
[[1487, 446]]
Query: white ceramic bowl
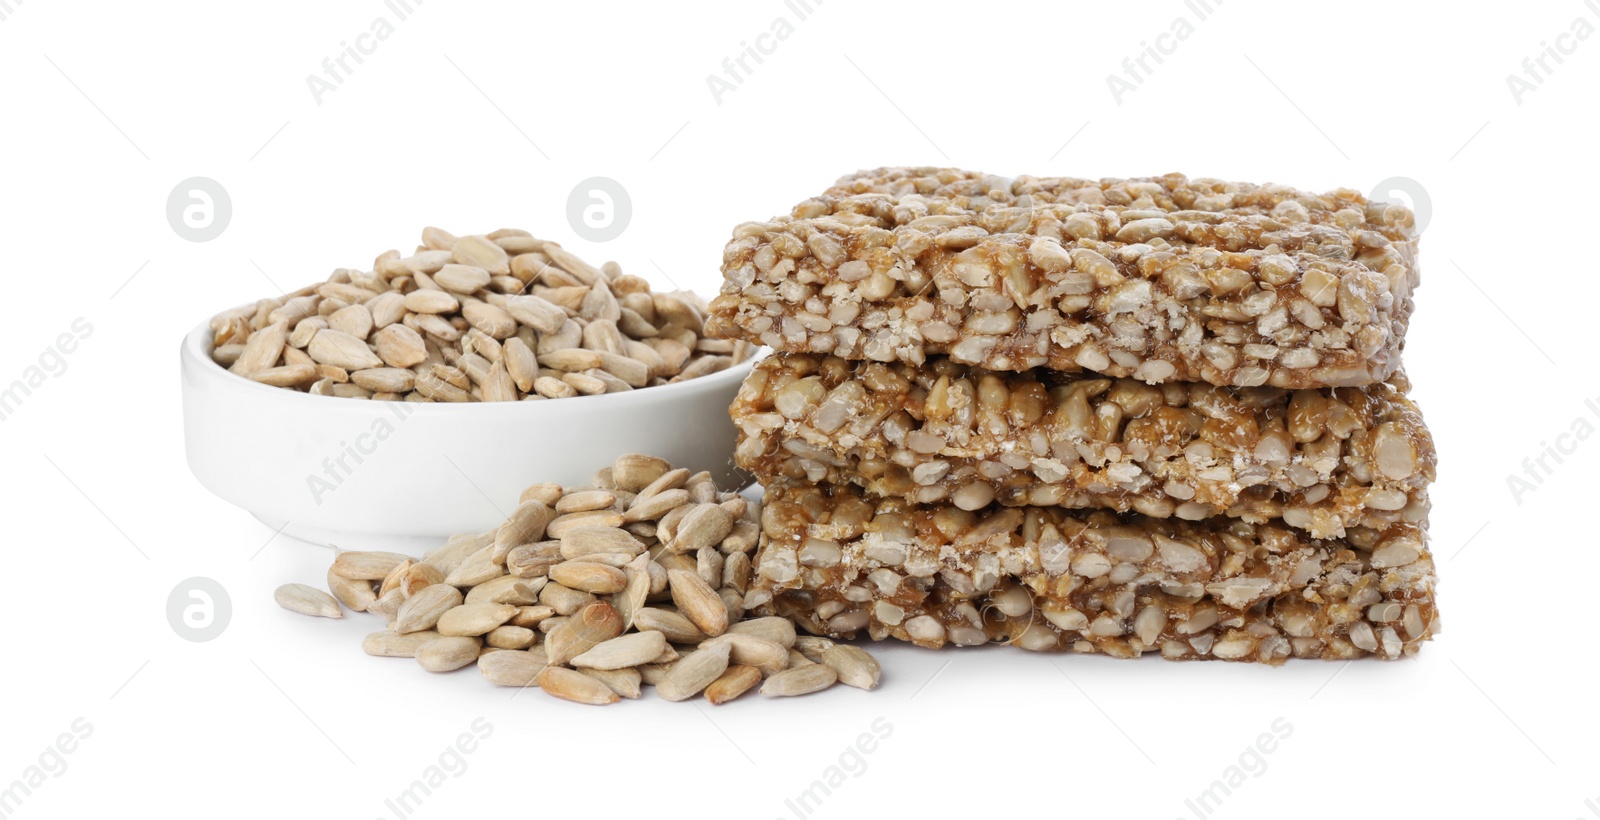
[[404, 476]]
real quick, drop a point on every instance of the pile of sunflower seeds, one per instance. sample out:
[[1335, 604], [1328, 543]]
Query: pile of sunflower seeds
[[497, 317], [592, 593]]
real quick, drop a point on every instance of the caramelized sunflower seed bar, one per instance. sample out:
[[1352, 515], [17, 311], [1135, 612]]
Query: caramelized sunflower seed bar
[[1159, 279], [1045, 578], [1318, 459]]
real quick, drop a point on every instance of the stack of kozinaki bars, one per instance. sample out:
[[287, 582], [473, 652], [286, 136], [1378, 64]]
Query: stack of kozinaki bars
[[1116, 416]]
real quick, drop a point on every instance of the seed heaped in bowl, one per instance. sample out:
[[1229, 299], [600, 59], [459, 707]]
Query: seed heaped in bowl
[[499, 317]]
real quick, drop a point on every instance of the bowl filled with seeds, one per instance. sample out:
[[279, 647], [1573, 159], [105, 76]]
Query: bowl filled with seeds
[[402, 403]]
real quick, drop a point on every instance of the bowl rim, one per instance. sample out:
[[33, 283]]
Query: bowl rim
[[196, 353]]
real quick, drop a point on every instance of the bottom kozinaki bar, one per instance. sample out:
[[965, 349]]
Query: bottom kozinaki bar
[[1046, 578]]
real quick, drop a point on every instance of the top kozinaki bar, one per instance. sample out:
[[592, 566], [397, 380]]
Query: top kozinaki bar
[[1160, 279]]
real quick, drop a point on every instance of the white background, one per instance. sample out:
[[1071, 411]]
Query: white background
[[475, 116]]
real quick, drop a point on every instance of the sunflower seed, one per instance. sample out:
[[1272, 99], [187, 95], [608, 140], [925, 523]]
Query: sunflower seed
[[456, 550], [624, 682], [623, 651], [694, 672], [511, 637], [399, 346], [342, 350], [771, 658], [738, 680], [525, 526], [507, 589], [854, 666], [703, 526], [390, 645], [778, 630], [532, 616], [634, 472], [366, 566], [813, 647], [463, 279], [473, 620], [548, 493], [423, 610], [564, 599], [355, 595], [589, 577], [476, 569], [481, 252], [594, 624], [566, 524], [307, 600], [677, 628], [533, 560], [580, 541], [801, 680], [511, 668], [447, 654], [696, 600], [632, 598], [575, 686], [263, 350]]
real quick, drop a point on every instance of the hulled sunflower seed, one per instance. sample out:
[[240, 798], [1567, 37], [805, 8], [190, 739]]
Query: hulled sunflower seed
[[476, 569], [813, 647], [625, 682], [778, 630], [447, 654], [307, 600], [854, 666], [507, 589], [473, 620], [586, 540], [768, 656], [391, 645], [423, 610], [575, 686], [511, 637], [356, 596], [589, 576], [677, 628], [366, 566], [511, 667], [533, 560], [696, 600], [694, 672], [525, 526], [594, 624], [800, 680], [738, 680], [624, 651]]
